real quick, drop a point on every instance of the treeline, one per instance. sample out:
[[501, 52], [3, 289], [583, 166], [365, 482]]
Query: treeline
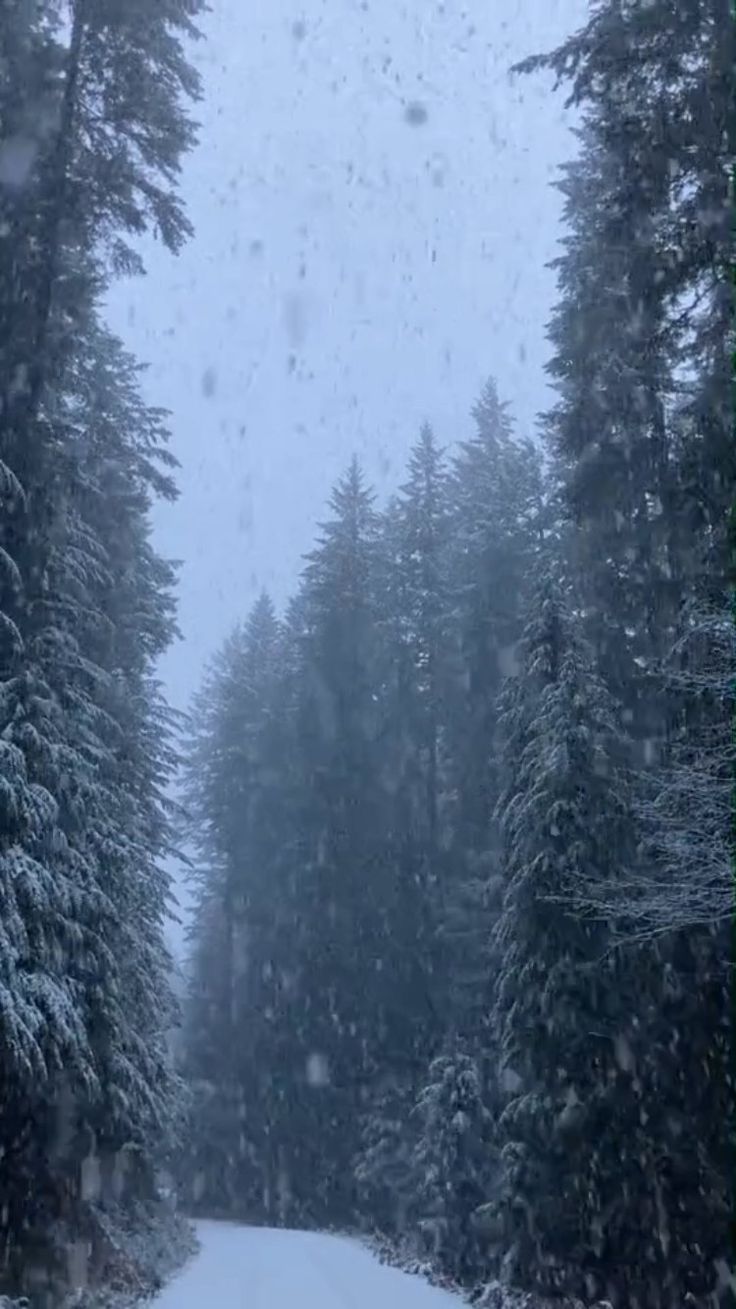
[[459, 964], [92, 129]]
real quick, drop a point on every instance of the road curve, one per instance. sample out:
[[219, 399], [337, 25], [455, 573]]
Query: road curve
[[266, 1268]]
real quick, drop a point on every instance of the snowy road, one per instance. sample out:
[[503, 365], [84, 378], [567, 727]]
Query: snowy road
[[262, 1268]]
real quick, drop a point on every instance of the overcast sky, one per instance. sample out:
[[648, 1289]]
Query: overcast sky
[[373, 213]]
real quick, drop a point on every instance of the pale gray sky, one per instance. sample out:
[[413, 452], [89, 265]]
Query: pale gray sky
[[352, 272]]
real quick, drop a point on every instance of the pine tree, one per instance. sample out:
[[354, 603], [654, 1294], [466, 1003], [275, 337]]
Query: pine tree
[[85, 729], [346, 933], [414, 616], [452, 1161], [496, 505], [642, 434], [234, 800], [642, 329], [562, 1000], [423, 564], [384, 1172], [85, 712]]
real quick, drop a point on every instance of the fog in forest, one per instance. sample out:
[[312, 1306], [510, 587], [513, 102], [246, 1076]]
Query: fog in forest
[[366, 654]]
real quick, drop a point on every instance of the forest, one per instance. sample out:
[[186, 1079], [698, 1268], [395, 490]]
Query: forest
[[459, 818]]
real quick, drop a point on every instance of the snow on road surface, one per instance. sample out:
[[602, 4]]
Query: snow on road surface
[[267, 1268]]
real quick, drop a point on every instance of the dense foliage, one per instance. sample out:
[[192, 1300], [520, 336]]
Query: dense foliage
[[460, 961], [460, 818], [92, 128]]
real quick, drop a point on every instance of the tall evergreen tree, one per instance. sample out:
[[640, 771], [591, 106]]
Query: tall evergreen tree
[[641, 334], [415, 622], [649, 472], [346, 1031], [563, 1008], [453, 1162], [496, 504], [496, 507], [85, 602], [385, 1172], [413, 606]]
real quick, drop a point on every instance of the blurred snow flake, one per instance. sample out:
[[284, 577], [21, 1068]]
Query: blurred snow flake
[[295, 319], [437, 168], [415, 113], [508, 660], [209, 382], [624, 1053], [17, 156], [510, 1081], [91, 1178], [318, 1070]]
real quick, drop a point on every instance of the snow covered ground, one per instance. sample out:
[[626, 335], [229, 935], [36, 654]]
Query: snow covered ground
[[262, 1268]]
